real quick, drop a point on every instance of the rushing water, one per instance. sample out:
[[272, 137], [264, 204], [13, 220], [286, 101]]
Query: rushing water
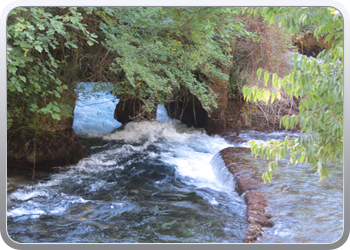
[[160, 181], [150, 182]]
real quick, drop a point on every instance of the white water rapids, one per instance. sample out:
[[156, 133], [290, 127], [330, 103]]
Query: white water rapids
[[161, 181]]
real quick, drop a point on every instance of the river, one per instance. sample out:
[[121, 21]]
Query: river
[[162, 182]]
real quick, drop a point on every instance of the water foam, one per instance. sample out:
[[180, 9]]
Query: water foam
[[151, 131], [220, 170], [190, 150]]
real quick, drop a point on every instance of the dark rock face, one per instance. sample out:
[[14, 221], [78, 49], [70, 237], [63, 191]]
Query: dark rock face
[[58, 146], [226, 117], [238, 127], [130, 109], [189, 111], [310, 46], [246, 183]]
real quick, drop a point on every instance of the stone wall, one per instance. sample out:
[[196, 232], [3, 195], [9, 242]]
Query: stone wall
[[43, 149]]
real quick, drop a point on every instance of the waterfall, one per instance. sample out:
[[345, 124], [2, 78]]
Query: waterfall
[[221, 172]]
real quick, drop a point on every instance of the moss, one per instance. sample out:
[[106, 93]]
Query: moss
[[48, 149]]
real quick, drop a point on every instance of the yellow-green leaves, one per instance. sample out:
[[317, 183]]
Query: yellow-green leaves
[[255, 94], [322, 171], [319, 85], [266, 78], [275, 80], [259, 73], [296, 62]]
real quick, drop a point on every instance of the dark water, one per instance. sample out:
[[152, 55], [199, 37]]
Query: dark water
[[154, 184]]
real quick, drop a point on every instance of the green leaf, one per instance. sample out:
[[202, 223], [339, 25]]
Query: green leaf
[[23, 78], [56, 116], [326, 173], [296, 62], [58, 81], [278, 95], [38, 47], [266, 77], [259, 73], [317, 98], [45, 110], [273, 96], [266, 96], [57, 109], [274, 80]]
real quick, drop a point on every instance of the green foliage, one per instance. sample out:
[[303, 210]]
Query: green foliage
[[160, 49], [34, 82], [319, 85], [149, 53], [264, 46]]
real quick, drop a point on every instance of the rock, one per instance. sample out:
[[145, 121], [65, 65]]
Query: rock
[[247, 124], [243, 185], [130, 109], [238, 127], [311, 46], [45, 149], [246, 183], [189, 109]]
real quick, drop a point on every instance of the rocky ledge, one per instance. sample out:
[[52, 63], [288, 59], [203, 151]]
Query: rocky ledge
[[58, 145], [248, 185]]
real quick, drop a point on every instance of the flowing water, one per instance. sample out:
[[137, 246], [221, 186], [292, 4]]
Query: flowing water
[[160, 181], [304, 209]]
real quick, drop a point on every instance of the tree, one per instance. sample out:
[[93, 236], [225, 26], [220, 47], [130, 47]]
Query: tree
[[150, 53], [41, 44], [161, 51], [319, 85]]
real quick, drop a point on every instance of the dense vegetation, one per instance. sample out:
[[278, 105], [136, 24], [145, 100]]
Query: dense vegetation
[[156, 54], [146, 52], [319, 85]]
